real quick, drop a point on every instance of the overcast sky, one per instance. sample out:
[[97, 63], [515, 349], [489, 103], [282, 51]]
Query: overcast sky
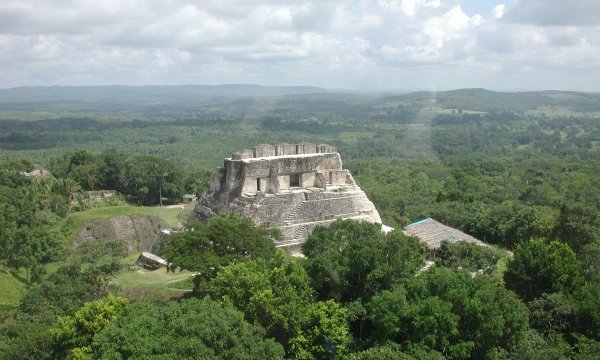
[[362, 45]]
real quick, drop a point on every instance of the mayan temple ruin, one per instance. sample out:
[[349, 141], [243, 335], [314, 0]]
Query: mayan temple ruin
[[294, 187]]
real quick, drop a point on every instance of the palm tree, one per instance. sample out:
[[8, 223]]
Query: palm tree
[[158, 173]]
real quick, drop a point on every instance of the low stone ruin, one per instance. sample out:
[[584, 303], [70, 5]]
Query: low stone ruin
[[151, 261]]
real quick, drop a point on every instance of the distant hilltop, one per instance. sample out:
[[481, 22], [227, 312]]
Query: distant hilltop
[[472, 99]]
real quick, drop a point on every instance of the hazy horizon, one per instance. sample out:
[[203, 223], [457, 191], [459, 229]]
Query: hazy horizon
[[332, 90]]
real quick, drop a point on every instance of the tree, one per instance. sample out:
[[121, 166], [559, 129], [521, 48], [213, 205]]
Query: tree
[[23, 336], [82, 279], [586, 349], [552, 313], [65, 186], [527, 222], [274, 293], [490, 316], [16, 166], [587, 310], [324, 333], [353, 260], [224, 240], [541, 267], [535, 346], [26, 333], [29, 236], [158, 172], [468, 256], [61, 292], [429, 321], [148, 179], [99, 259], [111, 168], [590, 262], [190, 329], [197, 182], [394, 352], [74, 333], [80, 165], [578, 225], [450, 312]]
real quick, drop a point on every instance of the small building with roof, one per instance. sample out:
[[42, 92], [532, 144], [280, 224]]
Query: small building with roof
[[188, 198], [151, 261], [432, 233]]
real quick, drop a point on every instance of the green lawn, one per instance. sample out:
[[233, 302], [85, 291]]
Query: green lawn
[[132, 283], [72, 225], [500, 268], [12, 287], [140, 283], [505, 256]]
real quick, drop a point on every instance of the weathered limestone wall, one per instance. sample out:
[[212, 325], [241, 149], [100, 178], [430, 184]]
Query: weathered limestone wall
[[284, 182], [138, 232], [308, 180], [289, 164]]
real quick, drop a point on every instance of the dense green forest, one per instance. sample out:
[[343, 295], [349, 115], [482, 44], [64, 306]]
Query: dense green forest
[[519, 171]]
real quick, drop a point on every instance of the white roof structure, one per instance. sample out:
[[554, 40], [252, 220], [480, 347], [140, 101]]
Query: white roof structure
[[155, 258], [386, 229], [432, 233]]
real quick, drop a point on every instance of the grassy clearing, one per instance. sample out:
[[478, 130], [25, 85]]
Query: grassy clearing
[[12, 287], [134, 284], [157, 284], [500, 268], [73, 224], [13, 284], [348, 136], [504, 256]]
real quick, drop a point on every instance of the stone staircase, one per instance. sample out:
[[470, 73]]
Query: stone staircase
[[299, 233], [293, 215]]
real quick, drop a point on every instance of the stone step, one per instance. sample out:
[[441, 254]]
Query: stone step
[[287, 243], [298, 234], [352, 215], [294, 212], [294, 245]]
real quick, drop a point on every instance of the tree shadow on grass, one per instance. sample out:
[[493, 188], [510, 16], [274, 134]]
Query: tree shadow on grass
[[17, 276]]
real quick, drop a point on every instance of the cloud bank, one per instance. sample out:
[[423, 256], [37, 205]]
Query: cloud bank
[[366, 45]]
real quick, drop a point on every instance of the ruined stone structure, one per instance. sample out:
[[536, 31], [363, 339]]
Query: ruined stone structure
[[294, 187]]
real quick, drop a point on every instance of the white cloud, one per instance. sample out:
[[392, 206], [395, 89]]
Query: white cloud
[[347, 21], [358, 43], [498, 11], [554, 12], [448, 26], [409, 7]]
